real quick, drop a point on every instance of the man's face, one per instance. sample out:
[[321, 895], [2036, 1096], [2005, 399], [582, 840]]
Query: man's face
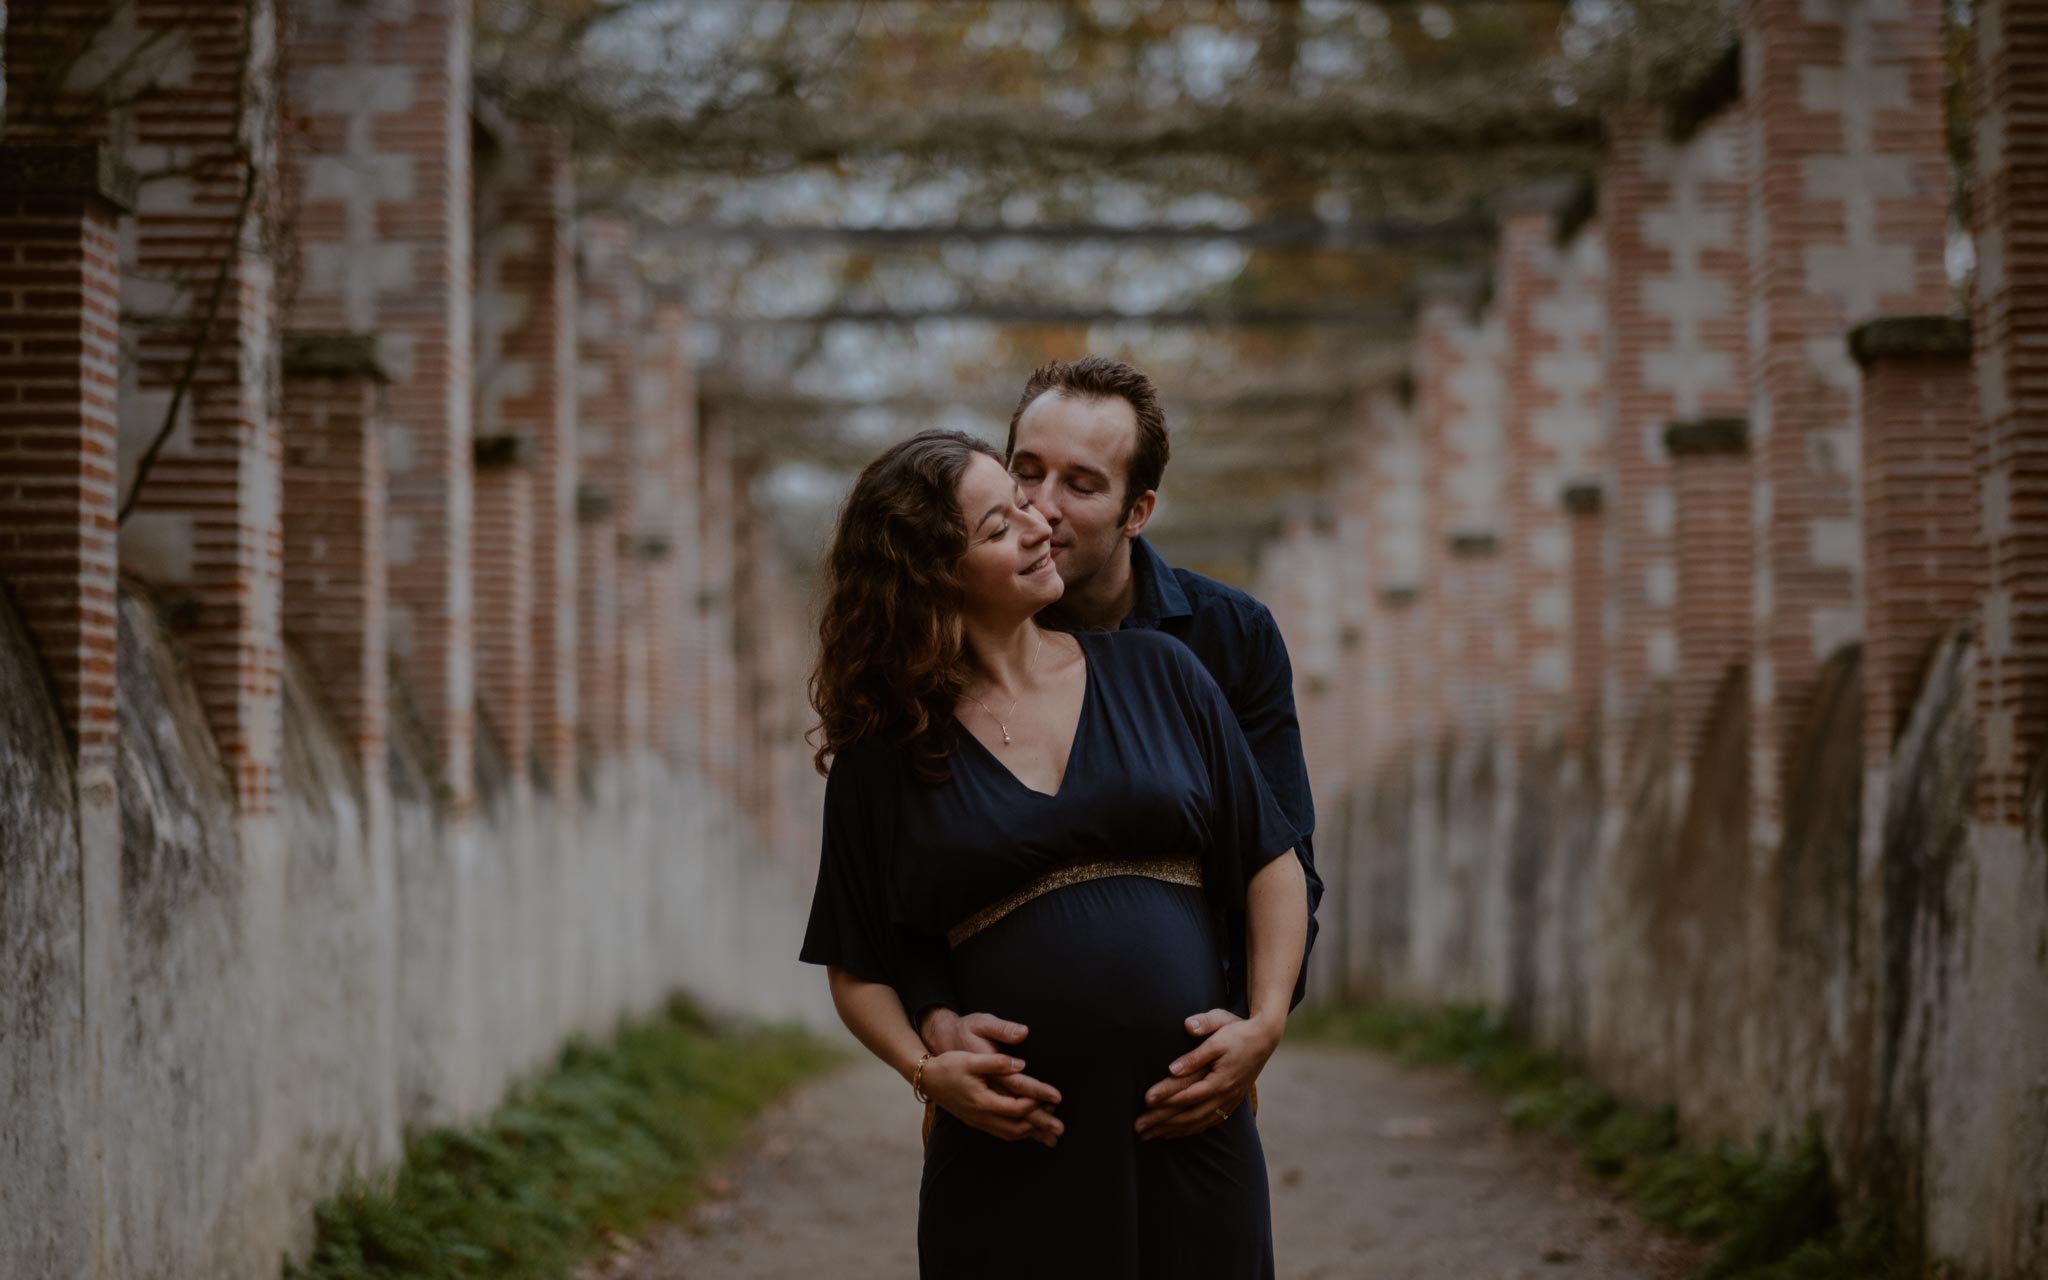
[[1070, 459]]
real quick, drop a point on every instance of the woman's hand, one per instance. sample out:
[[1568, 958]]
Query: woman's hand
[[962, 1083], [1207, 1083]]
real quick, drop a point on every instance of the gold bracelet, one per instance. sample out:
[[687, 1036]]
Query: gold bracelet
[[917, 1080]]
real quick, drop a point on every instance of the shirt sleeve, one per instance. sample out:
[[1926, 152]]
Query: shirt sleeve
[[1265, 711], [1247, 828], [850, 920]]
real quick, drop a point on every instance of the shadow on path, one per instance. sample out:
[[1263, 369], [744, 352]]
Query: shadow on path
[[1380, 1172]]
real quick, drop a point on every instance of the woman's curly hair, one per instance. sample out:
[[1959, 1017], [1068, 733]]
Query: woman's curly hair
[[892, 660]]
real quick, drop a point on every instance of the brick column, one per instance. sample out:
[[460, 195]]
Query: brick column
[[1671, 213], [597, 613], [1848, 219], [1551, 308], [1459, 400], [1396, 504], [1586, 587], [718, 697], [1711, 482], [334, 577], [503, 570], [608, 337], [1923, 547], [60, 294], [526, 388], [379, 99], [2011, 325], [667, 412]]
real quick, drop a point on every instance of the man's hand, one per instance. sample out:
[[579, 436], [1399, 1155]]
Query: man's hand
[[945, 1031], [1204, 1085]]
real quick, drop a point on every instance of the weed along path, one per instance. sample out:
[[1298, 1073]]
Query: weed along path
[[1379, 1171]]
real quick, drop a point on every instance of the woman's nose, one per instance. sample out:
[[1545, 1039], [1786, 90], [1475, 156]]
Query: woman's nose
[[1037, 528]]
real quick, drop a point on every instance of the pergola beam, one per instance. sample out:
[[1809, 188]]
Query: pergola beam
[[1385, 318], [1387, 233]]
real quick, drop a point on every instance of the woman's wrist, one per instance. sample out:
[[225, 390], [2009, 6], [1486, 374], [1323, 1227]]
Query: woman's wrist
[[1270, 1023]]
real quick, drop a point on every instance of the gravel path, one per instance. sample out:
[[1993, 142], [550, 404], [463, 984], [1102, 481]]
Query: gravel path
[[1379, 1172]]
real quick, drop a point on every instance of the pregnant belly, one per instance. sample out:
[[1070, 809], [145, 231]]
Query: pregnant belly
[[1103, 973]]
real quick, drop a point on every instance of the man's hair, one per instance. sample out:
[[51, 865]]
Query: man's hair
[[1100, 378]]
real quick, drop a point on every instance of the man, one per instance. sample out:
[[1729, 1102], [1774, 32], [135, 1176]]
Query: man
[[1088, 446]]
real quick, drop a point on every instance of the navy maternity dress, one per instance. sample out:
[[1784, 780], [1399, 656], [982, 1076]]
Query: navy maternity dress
[[1097, 916]]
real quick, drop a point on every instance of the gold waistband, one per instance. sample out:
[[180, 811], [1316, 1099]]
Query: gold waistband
[[1185, 871]]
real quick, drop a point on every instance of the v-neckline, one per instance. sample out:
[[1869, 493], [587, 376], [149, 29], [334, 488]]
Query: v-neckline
[[1073, 743]]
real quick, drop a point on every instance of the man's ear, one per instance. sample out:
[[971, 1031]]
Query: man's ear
[[1141, 513]]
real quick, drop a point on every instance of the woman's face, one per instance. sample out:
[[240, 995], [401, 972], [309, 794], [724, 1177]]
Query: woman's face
[[1007, 571]]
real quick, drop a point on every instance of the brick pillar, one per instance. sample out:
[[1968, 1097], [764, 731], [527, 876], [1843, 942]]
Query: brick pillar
[[608, 337], [334, 577], [1923, 548], [526, 388], [1711, 484], [379, 100], [2011, 326], [1459, 400], [597, 613], [667, 413], [1848, 219], [1671, 211], [717, 710], [1396, 504], [503, 569], [60, 294], [1551, 308], [1586, 587]]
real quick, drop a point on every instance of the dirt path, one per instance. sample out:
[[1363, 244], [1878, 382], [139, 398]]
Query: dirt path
[[1379, 1173]]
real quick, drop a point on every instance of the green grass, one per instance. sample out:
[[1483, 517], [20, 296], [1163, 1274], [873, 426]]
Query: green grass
[[612, 1139], [1769, 1213]]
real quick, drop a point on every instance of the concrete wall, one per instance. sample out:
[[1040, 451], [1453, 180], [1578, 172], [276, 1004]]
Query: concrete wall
[[287, 997]]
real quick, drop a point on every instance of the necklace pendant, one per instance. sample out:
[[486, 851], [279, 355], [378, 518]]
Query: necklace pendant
[[1006, 737]]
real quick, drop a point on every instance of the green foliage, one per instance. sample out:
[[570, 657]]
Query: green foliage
[[610, 1140], [1770, 1214]]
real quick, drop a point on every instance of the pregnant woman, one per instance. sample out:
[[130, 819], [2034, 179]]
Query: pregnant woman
[[1072, 823]]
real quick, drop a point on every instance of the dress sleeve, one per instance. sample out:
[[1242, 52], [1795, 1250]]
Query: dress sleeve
[[1247, 827], [850, 919]]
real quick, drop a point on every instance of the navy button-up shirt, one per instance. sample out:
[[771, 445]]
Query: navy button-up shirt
[[1236, 639]]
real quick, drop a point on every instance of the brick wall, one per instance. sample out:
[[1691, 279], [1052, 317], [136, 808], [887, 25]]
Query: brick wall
[[378, 161], [526, 388], [1672, 216], [334, 575], [59, 371], [2009, 210], [1847, 219], [1711, 483]]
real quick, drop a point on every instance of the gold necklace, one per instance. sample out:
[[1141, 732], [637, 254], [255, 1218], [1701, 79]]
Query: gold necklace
[[1002, 721]]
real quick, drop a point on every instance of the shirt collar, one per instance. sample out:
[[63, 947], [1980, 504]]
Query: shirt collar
[[1157, 589]]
